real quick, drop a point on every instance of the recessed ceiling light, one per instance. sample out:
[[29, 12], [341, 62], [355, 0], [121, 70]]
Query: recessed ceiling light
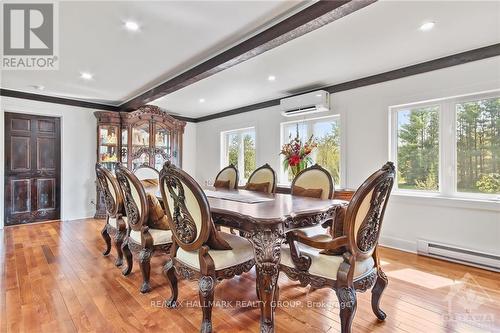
[[427, 26], [38, 87], [271, 78], [318, 95], [202, 100], [86, 76], [131, 25]]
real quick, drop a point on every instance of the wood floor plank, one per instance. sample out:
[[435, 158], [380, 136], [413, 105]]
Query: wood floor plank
[[53, 278]]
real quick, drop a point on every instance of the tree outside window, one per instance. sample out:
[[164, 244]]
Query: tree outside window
[[467, 152], [240, 151], [478, 146], [418, 149]]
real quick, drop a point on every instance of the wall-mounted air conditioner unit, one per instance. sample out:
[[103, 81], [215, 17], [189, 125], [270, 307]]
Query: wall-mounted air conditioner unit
[[313, 102]]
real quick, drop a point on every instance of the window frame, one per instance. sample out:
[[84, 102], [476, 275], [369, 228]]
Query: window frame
[[283, 175], [448, 164], [224, 156]]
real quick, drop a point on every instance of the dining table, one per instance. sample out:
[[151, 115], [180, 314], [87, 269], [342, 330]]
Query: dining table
[[264, 219]]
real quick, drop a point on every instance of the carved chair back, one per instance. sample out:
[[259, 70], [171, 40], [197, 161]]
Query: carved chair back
[[229, 173], [134, 198], [110, 189], [146, 172], [366, 211], [315, 177], [186, 206], [264, 174]]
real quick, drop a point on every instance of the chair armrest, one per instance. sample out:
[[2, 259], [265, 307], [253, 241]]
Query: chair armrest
[[321, 242]]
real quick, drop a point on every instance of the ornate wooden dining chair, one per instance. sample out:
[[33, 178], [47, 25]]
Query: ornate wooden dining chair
[[314, 182], [263, 179], [142, 240], [199, 251], [310, 259], [113, 201], [227, 178], [147, 175]]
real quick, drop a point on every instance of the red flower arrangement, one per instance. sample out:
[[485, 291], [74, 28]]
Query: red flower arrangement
[[297, 154]]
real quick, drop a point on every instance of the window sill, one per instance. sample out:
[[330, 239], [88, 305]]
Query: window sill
[[443, 201]]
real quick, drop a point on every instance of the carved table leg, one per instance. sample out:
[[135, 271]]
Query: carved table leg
[[267, 247]]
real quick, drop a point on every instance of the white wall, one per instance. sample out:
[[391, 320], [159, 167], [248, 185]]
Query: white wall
[[365, 122], [78, 153], [189, 149]]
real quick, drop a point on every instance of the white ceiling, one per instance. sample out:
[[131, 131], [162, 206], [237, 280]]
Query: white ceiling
[[176, 35], [378, 38], [173, 36]]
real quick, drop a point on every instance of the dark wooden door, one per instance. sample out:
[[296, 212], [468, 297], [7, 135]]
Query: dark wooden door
[[32, 168]]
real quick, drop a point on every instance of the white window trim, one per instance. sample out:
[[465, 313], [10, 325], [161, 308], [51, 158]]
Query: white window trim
[[447, 148], [224, 162], [283, 176]]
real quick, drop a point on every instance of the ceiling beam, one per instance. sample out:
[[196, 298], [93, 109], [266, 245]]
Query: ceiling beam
[[71, 102], [309, 19], [423, 67], [56, 100]]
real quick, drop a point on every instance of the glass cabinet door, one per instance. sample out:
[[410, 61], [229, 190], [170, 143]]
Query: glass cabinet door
[[108, 145], [140, 144], [124, 153], [162, 144]]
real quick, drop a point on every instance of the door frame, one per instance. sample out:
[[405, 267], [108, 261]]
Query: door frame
[[35, 110]]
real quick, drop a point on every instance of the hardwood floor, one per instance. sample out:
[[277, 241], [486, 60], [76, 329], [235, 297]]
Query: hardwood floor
[[53, 278]]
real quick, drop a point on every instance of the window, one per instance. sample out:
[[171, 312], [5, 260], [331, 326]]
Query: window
[[238, 148], [450, 147], [478, 146], [418, 148], [326, 130]]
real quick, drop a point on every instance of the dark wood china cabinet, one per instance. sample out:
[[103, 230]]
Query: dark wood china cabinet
[[146, 136]]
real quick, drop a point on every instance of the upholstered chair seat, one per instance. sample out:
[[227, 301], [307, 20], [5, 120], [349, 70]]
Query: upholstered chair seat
[[241, 252], [159, 236], [325, 265]]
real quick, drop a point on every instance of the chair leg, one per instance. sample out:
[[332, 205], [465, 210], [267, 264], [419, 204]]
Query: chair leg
[[169, 271], [377, 291], [145, 265], [347, 303], [107, 240], [207, 286], [120, 235], [128, 258]]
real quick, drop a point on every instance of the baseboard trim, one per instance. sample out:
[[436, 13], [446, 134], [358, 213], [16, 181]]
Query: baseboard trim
[[398, 244]]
